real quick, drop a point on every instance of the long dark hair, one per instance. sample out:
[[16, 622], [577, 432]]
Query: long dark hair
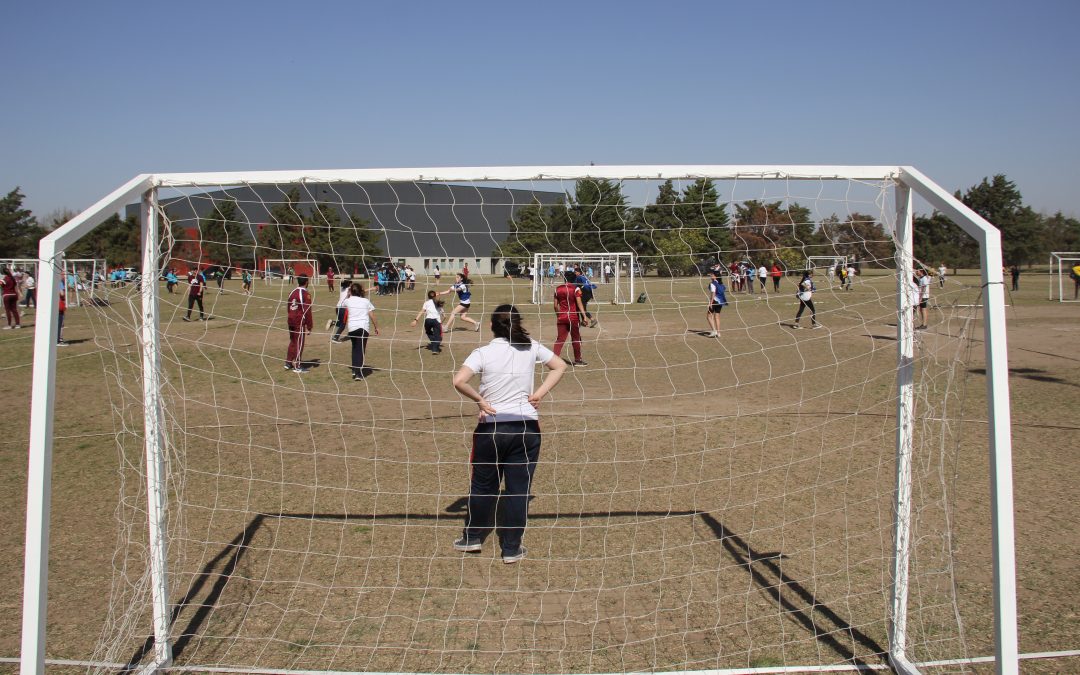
[[358, 290], [506, 324]]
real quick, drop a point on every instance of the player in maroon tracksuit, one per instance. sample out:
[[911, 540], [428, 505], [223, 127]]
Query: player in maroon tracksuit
[[9, 289], [568, 312], [197, 281], [300, 323], [330, 279]]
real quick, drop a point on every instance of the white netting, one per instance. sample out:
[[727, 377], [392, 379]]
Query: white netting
[[699, 502]]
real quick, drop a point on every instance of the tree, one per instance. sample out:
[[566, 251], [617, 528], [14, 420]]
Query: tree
[[224, 239], [762, 229], [19, 230], [116, 240], [683, 229], [999, 201], [938, 240], [859, 236], [1060, 233]]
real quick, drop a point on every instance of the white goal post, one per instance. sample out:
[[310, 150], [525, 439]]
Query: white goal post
[[668, 422], [613, 273], [286, 268], [1062, 282]]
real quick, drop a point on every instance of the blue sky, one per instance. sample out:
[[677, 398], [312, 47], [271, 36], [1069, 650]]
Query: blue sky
[[99, 92]]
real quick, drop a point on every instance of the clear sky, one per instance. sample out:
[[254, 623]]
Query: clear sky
[[97, 92]]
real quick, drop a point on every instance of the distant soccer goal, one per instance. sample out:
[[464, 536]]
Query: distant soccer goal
[[720, 487], [287, 269], [1065, 276], [614, 274], [85, 279]]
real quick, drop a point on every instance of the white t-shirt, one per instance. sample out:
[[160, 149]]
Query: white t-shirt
[[924, 287], [506, 377], [358, 313], [343, 296], [432, 311], [762, 272], [806, 289], [850, 272], [30, 283], [941, 271]]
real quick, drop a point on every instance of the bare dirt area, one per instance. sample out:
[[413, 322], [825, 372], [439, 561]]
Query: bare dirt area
[[699, 503]]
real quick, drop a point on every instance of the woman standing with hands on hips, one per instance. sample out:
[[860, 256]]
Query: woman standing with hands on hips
[[506, 441]]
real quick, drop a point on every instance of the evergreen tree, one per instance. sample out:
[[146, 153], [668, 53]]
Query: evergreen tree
[[938, 240], [858, 236], [19, 230], [999, 201]]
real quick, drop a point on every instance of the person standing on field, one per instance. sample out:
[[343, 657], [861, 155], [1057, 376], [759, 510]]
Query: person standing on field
[[776, 274], [717, 295], [941, 270], [31, 290], [506, 440], [568, 312], [923, 278], [763, 274], [360, 322], [300, 323], [9, 290], [197, 282], [805, 295], [62, 309], [330, 278]]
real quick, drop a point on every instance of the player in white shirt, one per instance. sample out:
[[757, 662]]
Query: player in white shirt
[[763, 276], [941, 271], [432, 312], [924, 297], [506, 441], [360, 322]]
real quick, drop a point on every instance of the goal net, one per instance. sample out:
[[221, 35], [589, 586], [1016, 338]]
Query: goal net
[[1065, 276], [612, 274], [774, 497], [287, 269]]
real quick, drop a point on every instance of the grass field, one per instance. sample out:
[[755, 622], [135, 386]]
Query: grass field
[[700, 503]]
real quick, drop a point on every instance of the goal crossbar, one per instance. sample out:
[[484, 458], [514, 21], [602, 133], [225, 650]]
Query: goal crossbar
[[908, 182]]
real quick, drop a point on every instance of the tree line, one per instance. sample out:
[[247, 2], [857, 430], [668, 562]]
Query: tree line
[[672, 235]]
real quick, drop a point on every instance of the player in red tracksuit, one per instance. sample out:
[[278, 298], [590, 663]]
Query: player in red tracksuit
[[330, 279], [300, 324], [9, 288], [568, 312]]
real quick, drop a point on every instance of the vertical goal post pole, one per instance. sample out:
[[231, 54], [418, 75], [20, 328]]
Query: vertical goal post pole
[[42, 407], [1006, 643]]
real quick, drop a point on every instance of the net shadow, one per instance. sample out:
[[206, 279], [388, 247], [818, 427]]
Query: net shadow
[[765, 569]]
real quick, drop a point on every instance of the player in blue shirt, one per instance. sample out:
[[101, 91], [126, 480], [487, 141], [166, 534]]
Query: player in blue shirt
[[461, 287], [717, 299]]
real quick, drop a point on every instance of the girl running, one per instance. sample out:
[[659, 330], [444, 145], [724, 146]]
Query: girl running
[[461, 287], [506, 441], [432, 312]]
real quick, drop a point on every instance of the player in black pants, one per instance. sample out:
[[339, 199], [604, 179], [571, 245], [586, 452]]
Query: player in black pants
[[506, 441]]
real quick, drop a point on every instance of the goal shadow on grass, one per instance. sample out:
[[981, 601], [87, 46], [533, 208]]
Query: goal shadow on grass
[[765, 569]]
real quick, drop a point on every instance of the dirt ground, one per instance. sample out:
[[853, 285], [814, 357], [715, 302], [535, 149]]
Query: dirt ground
[[700, 503]]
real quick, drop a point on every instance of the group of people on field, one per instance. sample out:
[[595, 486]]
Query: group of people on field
[[16, 283]]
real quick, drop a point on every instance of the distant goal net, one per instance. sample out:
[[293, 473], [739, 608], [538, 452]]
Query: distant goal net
[[614, 275], [1065, 276], [287, 269], [728, 479]]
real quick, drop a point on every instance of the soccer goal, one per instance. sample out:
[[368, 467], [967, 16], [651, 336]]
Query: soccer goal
[[84, 279], [1065, 276], [773, 497], [287, 269], [613, 274]]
